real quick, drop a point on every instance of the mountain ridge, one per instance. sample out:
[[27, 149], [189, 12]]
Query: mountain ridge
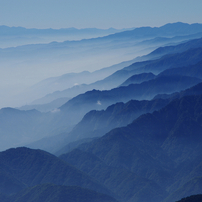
[[166, 137], [32, 167], [155, 66]]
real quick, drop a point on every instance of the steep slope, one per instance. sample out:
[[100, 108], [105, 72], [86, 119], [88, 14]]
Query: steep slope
[[146, 90], [193, 187], [155, 145], [58, 193], [32, 167], [97, 123], [195, 90], [193, 70], [195, 43], [189, 57], [139, 78], [9, 184], [125, 184], [186, 172], [4, 198]]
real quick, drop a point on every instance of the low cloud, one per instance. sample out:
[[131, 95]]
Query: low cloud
[[99, 103], [55, 111]]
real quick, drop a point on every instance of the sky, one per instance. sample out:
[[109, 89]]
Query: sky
[[98, 13]]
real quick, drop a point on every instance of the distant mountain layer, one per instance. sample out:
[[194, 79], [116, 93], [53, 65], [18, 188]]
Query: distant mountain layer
[[21, 31], [191, 70], [47, 107], [18, 36], [172, 29], [185, 54], [195, 43], [92, 54], [138, 78], [146, 90], [189, 57], [195, 90]]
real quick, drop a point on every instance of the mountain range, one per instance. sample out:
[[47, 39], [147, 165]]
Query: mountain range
[[147, 157], [16, 36], [65, 117], [177, 59], [55, 58], [130, 132], [155, 146], [24, 168]]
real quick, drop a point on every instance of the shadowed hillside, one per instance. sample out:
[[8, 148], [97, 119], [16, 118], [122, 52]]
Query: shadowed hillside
[[155, 146], [56, 193], [31, 167]]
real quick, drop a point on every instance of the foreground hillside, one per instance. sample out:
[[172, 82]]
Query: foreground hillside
[[163, 147], [58, 193], [23, 167], [156, 158]]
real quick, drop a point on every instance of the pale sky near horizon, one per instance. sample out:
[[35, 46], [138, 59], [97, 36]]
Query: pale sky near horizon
[[98, 13]]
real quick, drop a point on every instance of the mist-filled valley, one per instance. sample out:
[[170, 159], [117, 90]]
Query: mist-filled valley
[[101, 115], [22, 67]]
